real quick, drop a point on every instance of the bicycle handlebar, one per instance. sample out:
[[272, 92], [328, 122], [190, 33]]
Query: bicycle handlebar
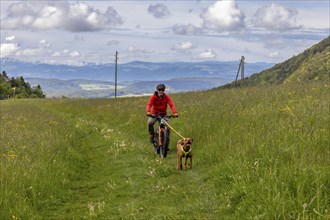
[[163, 116]]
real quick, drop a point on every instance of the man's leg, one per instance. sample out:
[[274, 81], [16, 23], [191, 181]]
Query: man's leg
[[151, 122]]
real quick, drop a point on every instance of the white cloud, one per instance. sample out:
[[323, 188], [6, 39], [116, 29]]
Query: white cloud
[[9, 46], [132, 49], [66, 53], [276, 17], [183, 46], [56, 54], [46, 28], [224, 16], [19, 15], [49, 17], [186, 29], [207, 54], [12, 48], [7, 49], [274, 54], [10, 38], [78, 17], [159, 10], [44, 44], [30, 52], [74, 54], [80, 9]]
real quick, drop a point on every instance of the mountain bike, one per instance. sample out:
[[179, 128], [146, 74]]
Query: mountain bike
[[162, 135]]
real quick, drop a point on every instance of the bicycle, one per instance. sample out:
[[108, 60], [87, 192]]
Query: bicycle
[[162, 135]]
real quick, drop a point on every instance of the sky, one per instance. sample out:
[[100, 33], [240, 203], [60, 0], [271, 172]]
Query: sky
[[81, 32]]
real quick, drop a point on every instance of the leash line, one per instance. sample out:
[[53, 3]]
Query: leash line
[[173, 129]]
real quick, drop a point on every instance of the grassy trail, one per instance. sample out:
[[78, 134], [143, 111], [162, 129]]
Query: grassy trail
[[91, 168], [111, 159]]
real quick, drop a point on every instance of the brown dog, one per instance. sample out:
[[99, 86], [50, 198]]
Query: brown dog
[[184, 151]]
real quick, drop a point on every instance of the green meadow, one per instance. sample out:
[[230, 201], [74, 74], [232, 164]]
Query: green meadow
[[259, 153]]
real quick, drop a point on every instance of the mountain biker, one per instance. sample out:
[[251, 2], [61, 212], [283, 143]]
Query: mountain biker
[[158, 104]]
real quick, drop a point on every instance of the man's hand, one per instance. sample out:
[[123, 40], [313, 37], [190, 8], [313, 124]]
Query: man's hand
[[176, 115], [148, 114]]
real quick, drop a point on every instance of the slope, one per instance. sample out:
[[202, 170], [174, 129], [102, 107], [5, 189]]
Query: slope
[[311, 65], [259, 153]]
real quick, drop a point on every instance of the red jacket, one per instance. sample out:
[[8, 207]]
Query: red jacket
[[159, 105]]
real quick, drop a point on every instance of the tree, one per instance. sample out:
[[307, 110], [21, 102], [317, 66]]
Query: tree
[[5, 90], [3, 77], [38, 92], [18, 88]]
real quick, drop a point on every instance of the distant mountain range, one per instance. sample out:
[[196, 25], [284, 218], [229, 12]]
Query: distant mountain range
[[134, 78], [311, 65]]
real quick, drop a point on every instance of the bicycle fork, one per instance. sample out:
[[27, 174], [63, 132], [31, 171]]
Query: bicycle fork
[[160, 136]]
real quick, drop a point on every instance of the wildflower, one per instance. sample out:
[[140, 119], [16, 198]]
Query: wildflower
[[111, 185], [91, 209], [287, 110], [11, 155], [100, 206], [256, 163], [151, 172]]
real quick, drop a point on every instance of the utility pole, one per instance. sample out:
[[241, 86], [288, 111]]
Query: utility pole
[[116, 60], [240, 67], [242, 70]]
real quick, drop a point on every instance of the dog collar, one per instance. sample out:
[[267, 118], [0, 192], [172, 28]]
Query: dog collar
[[185, 153]]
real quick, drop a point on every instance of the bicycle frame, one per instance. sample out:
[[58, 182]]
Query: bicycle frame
[[162, 138]]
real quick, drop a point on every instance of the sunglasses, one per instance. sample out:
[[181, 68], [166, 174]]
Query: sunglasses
[[161, 90]]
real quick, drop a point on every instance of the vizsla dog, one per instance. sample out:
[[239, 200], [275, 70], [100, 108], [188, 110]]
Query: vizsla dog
[[184, 151]]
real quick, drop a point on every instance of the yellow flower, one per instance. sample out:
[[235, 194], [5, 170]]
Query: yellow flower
[[11, 155], [287, 110]]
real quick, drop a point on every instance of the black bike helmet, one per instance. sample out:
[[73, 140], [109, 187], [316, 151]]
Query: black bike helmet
[[160, 87]]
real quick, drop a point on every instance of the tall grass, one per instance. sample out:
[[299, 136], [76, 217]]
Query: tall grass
[[259, 153], [33, 163]]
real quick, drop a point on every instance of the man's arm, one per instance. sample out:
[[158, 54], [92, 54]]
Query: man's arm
[[172, 106], [149, 104]]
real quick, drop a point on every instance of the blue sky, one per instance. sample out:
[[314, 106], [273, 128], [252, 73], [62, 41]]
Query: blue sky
[[79, 32]]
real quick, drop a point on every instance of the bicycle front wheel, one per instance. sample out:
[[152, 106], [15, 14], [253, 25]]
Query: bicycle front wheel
[[163, 148]]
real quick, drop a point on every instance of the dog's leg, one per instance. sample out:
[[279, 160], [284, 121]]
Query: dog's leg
[[191, 162], [185, 163], [179, 162]]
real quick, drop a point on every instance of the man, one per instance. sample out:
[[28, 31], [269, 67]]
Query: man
[[158, 104]]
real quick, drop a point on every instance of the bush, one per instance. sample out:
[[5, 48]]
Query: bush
[[18, 88]]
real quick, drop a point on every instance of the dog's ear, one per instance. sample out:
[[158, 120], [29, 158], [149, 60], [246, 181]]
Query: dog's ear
[[181, 142]]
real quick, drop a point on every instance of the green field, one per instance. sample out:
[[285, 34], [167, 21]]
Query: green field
[[259, 153]]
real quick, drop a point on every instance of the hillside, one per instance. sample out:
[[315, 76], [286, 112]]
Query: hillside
[[134, 78], [311, 65], [79, 88], [259, 153], [129, 72]]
